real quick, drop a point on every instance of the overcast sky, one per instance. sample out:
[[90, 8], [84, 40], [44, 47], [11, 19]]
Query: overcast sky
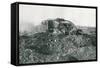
[[34, 14]]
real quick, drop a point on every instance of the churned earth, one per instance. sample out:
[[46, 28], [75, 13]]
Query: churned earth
[[48, 46]]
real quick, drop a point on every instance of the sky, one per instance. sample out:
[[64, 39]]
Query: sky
[[34, 14]]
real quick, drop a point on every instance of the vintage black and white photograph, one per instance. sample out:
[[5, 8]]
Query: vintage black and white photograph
[[56, 34]]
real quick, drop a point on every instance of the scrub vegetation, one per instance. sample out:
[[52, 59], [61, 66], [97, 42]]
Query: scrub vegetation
[[59, 40]]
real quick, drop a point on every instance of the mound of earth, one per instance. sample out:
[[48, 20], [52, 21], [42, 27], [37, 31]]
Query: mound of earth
[[60, 42]]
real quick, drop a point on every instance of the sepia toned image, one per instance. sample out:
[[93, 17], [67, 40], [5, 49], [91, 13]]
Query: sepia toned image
[[56, 34]]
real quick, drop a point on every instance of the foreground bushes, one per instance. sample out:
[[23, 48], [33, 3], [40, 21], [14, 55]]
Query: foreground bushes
[[43, 47]]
